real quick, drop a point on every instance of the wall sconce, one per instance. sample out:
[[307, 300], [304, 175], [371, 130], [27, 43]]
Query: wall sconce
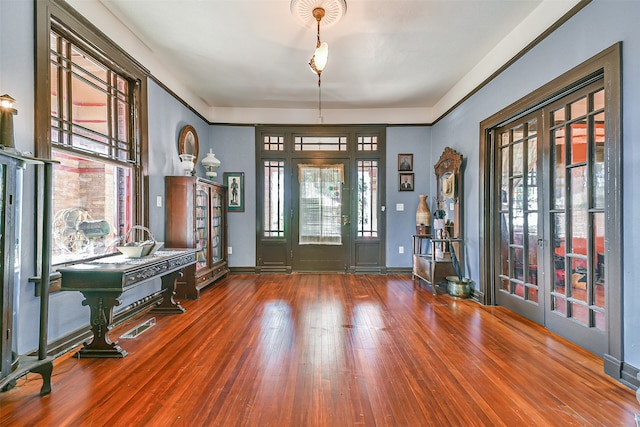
[[187, 161], [6, 121], [211, 163]]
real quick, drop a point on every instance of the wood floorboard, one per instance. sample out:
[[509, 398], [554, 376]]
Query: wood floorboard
[[329, 350]]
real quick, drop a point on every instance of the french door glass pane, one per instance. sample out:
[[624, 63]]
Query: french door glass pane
[[519, 211], [320, 205], [597, 160], [578, 138], [579, 227], [578, 108], [559, 168], [517, 159]]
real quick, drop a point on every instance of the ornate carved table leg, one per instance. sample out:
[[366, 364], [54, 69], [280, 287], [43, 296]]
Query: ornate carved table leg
[[102, 304], [168, 305], [45, 371]]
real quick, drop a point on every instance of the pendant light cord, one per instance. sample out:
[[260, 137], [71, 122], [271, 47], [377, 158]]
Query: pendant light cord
[[319, 98]]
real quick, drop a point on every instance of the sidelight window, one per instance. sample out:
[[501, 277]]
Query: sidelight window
[[273, 198], [367, 198]]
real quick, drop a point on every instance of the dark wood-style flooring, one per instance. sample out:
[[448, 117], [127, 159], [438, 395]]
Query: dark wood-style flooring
[[329, 350]]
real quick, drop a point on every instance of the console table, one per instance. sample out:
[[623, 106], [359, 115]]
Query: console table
[[103, 281], [430, 264]]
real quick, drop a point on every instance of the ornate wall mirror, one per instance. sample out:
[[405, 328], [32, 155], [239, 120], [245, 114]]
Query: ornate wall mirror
[[449, 188], [188, 141]]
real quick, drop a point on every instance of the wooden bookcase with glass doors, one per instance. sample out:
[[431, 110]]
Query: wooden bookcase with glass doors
[[196, 217]]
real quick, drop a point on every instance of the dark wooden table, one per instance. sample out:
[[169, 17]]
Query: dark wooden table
[[103, 281]]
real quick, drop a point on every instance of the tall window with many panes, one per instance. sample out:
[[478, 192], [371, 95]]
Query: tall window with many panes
[[94, 108]]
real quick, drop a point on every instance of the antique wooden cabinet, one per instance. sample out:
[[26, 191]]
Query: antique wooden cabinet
[[196, 217]]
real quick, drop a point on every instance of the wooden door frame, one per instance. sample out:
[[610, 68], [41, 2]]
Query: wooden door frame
[[367, 255], [606, 65]]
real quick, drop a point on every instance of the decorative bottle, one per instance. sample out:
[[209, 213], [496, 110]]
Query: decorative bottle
[[423, 216]]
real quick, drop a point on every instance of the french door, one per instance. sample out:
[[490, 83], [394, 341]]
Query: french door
[[321, 209], [550, 204]]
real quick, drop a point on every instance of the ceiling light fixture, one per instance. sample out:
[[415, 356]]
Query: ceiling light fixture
[[311, 12], [320, 56]]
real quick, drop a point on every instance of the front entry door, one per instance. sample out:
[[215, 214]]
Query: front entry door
[[320, 215]]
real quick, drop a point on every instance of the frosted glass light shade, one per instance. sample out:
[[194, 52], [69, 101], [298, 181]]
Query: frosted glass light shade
[[320, 57], [210, 163]]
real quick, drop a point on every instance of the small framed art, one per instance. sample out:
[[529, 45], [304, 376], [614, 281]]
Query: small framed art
[[235, 191], [405, 182], [405, 162]]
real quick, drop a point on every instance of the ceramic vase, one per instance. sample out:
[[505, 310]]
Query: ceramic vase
[[423, 215]]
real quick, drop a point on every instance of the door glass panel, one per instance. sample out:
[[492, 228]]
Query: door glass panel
[[579, 312], [600, 320], [505, 285], [598, 161], [273, 198], [560, 305], [518, 209], [533, 248], [598, 276], [578, 140], [559, 254], [532, 176], [598, 100], [578, 108], [504, 247], [367, 198], [504, 177], [516, 256], [579, 230], [559, 168], [579, 212], [518, 133], [517, 159], [558, 116], [504, 139], [320, 204]]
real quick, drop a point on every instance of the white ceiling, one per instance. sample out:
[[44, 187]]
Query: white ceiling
[[390, 61]]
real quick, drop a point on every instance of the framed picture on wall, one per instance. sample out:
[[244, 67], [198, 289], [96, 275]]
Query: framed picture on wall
[[405, 182], [405, 162], [235, 191]]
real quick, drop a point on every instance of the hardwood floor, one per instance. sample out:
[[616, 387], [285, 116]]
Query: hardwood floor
[[329, 350]]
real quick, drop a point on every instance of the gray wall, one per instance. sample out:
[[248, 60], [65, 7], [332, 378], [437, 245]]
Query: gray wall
[[234, 146], [598, 26], [401, 225], [167, 117]]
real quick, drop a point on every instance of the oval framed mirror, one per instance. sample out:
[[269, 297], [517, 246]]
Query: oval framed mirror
[[188, 141]]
